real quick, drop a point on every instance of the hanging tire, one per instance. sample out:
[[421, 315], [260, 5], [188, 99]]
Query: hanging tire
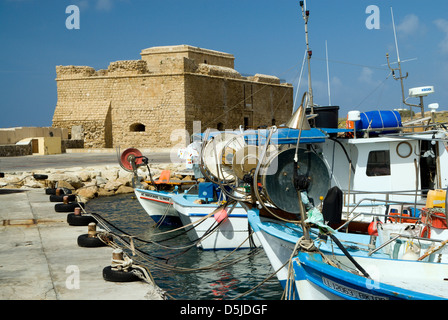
[[67, 207], [55, 198], [119, 275], [79, 220], [90, 242]]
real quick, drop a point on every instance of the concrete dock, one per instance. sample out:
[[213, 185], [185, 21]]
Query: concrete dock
[[41, 260]]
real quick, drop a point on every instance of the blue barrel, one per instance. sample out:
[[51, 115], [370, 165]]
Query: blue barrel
[[379, 119]]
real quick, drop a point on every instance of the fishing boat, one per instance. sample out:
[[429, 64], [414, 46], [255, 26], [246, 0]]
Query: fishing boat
[[279, 230], [409, 267], [320, 277], [214, 224], [159, 206], [377, 169], [215, 218]]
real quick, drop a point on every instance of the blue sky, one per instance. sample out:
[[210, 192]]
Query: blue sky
[[264, 36]]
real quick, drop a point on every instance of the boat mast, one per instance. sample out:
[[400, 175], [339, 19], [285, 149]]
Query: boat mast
[[306, 15], [401, 77], [328, 75]]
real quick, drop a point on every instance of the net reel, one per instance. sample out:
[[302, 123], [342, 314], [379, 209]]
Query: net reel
[[277, 177], [218, 153], [218, 156], [131, 159]]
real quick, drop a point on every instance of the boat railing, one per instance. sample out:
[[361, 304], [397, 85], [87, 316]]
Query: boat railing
[[408, 127], [399, 216], [385, 196], [396, 236]]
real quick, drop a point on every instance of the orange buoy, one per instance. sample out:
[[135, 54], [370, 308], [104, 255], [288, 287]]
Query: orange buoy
[[373, 228], [221, 215]]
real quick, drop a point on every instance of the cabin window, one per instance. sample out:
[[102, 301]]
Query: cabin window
[[137, 127], [378, 163]]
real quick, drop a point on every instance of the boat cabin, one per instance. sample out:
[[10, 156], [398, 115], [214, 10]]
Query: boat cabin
[[393, 164]]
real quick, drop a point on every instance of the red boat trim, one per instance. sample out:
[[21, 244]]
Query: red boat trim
[[152, 199]]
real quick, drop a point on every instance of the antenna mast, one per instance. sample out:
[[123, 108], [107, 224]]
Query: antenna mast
[[305, 15], [401, 77], [328, 75]]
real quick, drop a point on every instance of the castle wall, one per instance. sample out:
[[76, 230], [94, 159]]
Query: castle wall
[[222, 103], [108, 107], [146, 103]]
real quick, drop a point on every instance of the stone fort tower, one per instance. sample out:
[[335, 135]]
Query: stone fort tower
[[138, 103]]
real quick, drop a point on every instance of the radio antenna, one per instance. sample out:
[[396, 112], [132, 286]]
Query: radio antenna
[[306, 15], [328, 75], [401, 77]]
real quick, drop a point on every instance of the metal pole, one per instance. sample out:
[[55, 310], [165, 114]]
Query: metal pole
[[305, 14]]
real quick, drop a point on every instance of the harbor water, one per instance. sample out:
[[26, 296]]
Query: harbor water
[[230, 275]]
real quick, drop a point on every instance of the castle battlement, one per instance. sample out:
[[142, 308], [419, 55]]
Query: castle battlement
[[167, 60]]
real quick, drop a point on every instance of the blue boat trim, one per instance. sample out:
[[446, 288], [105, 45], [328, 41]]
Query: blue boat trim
[[347, 285], [281, 136]]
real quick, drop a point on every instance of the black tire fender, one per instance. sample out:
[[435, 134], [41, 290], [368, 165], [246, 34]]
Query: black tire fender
[[118, 275], [79, 220], [89, 242], [40, 176], [53, 191], [55, 198], [67, 207]]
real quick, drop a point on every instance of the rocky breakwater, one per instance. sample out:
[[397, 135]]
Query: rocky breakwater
[[87, 183]]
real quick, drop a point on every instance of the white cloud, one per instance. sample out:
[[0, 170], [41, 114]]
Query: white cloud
[[411, 25], [442, 25], [336, 82], [366, 75], [105, 5]]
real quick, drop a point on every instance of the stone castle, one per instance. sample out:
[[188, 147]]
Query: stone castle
[[138, 103]]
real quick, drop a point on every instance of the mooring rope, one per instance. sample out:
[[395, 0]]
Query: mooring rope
[[142, 257]]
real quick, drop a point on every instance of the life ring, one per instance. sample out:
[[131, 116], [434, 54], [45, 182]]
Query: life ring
[[119, 275], [67, 207], [90, 242], [55, 198], [79, 220]]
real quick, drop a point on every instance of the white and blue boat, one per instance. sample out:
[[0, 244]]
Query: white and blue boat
[[316, 279], [390, 261], [214, 224], [158, 204]]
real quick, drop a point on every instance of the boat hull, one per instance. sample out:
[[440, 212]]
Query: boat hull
[[232, 233], [391, 280], [158, 205]]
